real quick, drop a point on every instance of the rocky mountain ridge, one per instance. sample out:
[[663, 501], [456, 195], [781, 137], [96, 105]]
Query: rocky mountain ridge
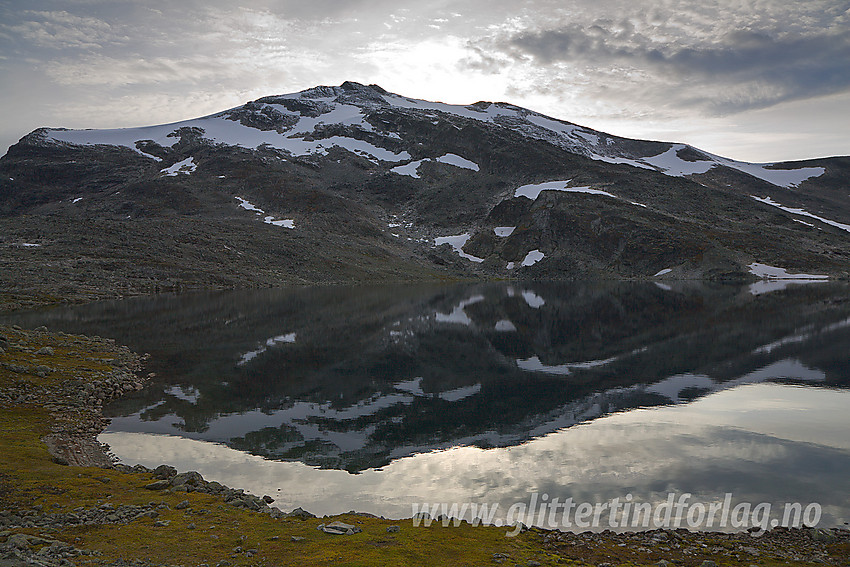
[[354, 183]]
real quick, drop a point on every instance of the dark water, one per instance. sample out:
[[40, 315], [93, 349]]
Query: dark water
[[491, 392]]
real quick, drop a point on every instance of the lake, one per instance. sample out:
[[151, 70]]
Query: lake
[[518, 396]]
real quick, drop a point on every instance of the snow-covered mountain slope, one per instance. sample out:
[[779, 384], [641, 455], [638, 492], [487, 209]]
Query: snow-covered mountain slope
[[353, 182], [296, 123]]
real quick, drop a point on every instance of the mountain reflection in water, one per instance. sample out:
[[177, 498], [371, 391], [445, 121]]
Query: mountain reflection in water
[[354, 378]]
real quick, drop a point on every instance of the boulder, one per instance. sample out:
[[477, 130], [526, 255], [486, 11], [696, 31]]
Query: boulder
[[339, 528]]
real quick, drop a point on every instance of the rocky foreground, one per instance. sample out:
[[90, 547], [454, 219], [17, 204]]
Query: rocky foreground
[[63, 502]]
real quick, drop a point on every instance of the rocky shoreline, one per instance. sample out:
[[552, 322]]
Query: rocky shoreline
[[75, 405], [72, 377]]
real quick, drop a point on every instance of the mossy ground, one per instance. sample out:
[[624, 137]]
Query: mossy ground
[[209, 531], [31, 480]]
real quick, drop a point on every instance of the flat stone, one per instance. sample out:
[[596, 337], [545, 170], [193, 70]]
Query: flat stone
[[158, 485], [339, 528]]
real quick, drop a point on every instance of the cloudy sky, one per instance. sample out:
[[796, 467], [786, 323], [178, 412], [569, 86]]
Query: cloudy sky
[[761, 80]]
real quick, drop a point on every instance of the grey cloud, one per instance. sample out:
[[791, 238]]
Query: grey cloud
[[741, 69], [61, 30]]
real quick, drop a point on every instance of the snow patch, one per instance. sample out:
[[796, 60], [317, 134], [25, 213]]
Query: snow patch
[[505, 326], [532, 258], [533, 191], [411, 169], [126, 137], [77, 200], [248, 206], [457, 242], [220, 130], [787, 178], [669, 163], [774, 273], [457, 161], [802, 212], [663, 272], [592, 139], [504, 231], [285, 223], [777, 279], [187, 167]]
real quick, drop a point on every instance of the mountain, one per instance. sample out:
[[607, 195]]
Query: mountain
[[354, 183]]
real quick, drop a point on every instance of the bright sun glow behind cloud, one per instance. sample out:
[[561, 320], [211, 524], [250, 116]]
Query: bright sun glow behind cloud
[[429, 70]]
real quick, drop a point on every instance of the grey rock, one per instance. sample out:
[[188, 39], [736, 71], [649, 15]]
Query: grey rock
[[708, 563], [164, 472], [182, 505], [339, 528], [300, 513], [393, 529], [191, 478], [48, 351], [161, 523], [18, 541], [821, 535], [296, 538], [158, 485]]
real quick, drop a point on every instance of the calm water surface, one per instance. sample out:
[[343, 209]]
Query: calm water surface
[[379, 398]]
